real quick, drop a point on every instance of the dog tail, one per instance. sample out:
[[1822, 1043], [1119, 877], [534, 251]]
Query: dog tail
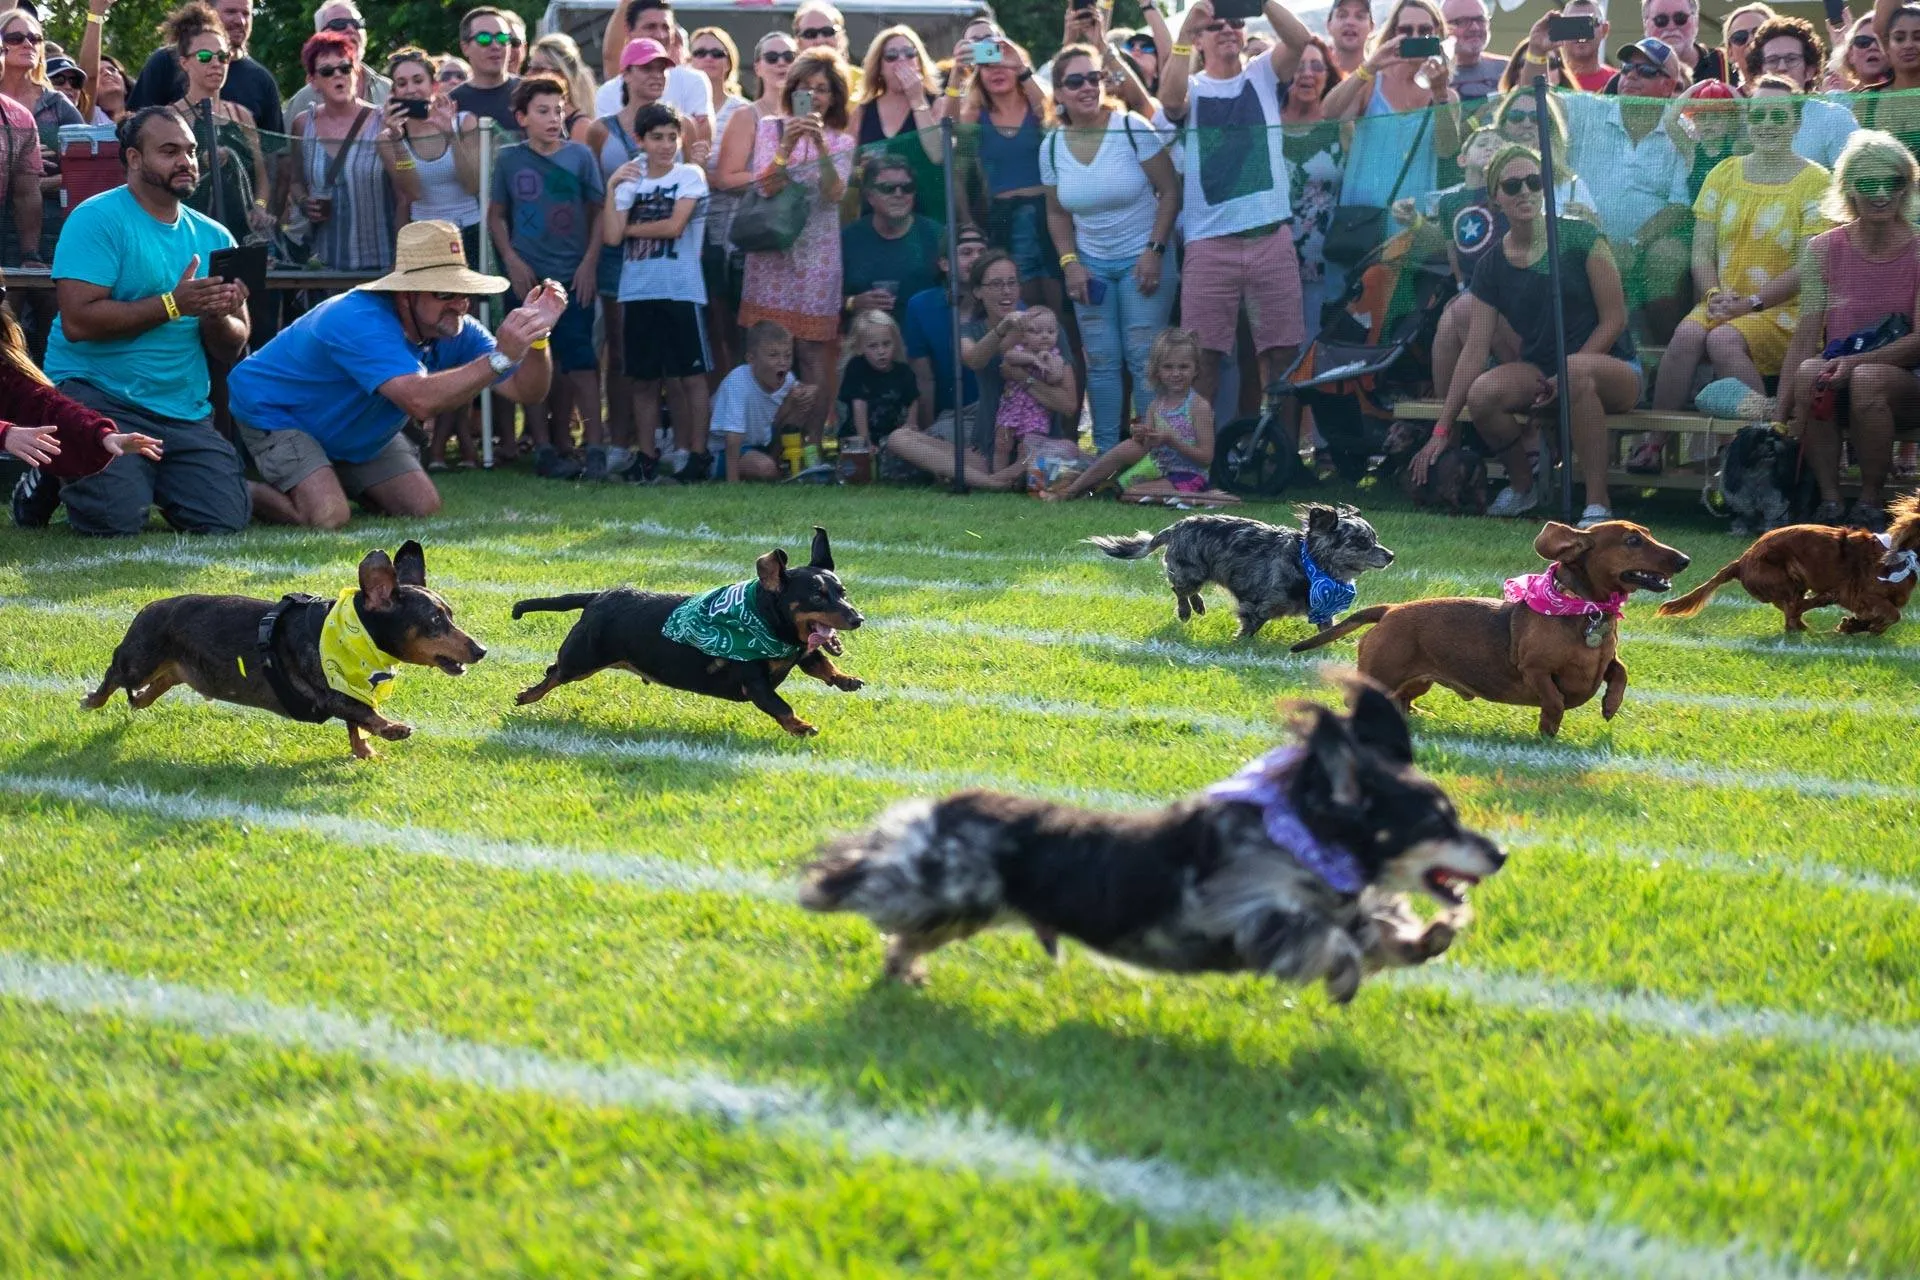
[[897, 874], [555, 604], [1695, 600], [1137, 546], [1351, 623]]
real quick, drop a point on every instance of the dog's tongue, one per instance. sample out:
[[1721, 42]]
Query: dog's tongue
[[820, 636]]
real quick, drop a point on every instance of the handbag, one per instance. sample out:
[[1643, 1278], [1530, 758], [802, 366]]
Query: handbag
[[771, 223], [1356, 230]]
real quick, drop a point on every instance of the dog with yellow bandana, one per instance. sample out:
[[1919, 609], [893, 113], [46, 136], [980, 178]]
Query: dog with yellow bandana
[[304, 657]]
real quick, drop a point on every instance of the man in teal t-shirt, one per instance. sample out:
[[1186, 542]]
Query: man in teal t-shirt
[[138, 315]]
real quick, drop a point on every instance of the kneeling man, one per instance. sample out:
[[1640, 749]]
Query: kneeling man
[[320, 407]]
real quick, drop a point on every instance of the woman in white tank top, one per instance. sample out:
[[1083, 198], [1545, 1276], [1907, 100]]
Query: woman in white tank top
[[444, 148]]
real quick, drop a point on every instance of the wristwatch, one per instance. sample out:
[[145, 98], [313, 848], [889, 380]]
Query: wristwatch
[[1156, 248], [499, 362], [1026, 74], [1754, 303]]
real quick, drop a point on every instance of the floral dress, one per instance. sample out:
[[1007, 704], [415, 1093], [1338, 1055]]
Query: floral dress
[[1316, 157], [799, 289]]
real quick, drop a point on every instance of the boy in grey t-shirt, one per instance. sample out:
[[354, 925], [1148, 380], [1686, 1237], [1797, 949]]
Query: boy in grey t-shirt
[[755, 401]]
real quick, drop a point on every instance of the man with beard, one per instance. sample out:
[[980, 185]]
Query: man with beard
[[138, 318], [320, 407]]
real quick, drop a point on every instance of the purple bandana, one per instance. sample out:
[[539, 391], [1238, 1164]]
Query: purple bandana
[[1264, 782], [1543, 595]]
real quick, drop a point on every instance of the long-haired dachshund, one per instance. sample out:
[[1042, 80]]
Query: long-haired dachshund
[[1810, 566], [1550, 643], [1296, 867]]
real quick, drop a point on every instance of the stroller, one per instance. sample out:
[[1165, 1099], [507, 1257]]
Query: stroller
[[1348, 375]]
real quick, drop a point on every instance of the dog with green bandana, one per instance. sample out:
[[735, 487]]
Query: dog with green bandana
[[737, 642]]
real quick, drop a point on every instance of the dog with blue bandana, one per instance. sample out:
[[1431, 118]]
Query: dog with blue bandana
[[1271, 571]]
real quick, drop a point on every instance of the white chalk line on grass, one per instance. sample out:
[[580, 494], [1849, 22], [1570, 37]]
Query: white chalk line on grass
[[1602, 760], [975, 1143]]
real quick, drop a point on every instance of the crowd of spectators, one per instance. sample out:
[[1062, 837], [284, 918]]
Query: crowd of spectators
[[712, 249]]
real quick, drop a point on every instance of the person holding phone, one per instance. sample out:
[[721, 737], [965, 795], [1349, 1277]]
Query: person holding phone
[[1395, 114], [1112, 200], [1007, 154], [199, 41]]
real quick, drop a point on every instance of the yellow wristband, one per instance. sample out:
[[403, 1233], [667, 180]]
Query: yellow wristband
[[540, 345], [1067, 258], [1183, 51], [98, 19], [1538, 62], [173, 308], [954, 92], [779, 161], [403, 164], [1364, 72]]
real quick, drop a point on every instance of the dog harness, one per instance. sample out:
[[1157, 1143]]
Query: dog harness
[[723, 623], [353, 664], [1326, 596], [1265, 782], [296, 704], [1908, 561]]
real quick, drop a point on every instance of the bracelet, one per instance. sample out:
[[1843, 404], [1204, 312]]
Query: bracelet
[[1439, 431], [1026, 74], [259, 202], [402, 164], [173, 308], [779, 161], [1068, 258], [1364, 73], [540, 345], [98, 19], [1183, 51], [954, 92], [1538, 62]]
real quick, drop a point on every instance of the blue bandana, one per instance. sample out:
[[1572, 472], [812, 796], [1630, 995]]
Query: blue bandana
[[1265, 783], [1325, 596]]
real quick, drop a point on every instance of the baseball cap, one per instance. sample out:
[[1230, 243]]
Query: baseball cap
[[63, 65], [639, 53], [1655, 52]]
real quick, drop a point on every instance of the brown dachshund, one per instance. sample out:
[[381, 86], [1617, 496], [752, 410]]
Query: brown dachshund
[[1810, 566], [1551, 646]]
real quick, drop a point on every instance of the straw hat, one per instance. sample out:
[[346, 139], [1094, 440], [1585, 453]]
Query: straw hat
[[429, 258]]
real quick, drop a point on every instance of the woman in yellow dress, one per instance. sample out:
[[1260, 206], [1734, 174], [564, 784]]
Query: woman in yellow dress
[[1751, 217]]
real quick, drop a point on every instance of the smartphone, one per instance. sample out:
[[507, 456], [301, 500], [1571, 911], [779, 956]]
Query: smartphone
[[803, 102], [1237, 10], [1836, 11], [415, 108], [1420, 47], [1096, 291], [986, 53], [1578, 27]]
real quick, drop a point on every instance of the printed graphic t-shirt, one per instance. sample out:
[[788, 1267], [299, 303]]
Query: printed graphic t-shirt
[[552, 203], [1235, 152], [665, 269]]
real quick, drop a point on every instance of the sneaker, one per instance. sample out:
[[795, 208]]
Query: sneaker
[[1593, 514], [699, 467], [1862, 516], [36, 497], [548, 464], [1511, 503], [673, 462], [646, 470], [1828, 513], [618, 460], [597, 464]]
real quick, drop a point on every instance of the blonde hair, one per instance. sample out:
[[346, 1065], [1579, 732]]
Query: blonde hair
[[1389, 30], [1869, 148], [732, 82], [868, 323], [873, 81], [38, 73], [1170, 341], [1510, 154], [573, 67]]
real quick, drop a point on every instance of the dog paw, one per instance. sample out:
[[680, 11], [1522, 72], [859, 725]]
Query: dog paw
[[1435, 941], [393, 731], [849, 684], [797, 727], [1343, 980]]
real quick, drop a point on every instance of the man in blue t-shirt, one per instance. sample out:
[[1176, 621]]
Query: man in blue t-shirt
[[927, 328], [321, 406], [138, 317]]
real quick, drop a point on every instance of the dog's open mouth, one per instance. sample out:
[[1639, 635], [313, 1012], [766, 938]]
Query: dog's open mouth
[[451, 667], [1646, 581], [1448, 885], [824, 637]]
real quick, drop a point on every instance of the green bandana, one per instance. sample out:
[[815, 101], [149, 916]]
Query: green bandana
[[723, 623]]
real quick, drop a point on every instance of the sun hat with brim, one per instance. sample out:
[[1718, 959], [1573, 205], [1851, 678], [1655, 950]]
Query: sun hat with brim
[[429, 258], [644, 52]]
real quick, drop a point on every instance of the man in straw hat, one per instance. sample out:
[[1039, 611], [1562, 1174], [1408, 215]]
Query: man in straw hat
[[320, 407]]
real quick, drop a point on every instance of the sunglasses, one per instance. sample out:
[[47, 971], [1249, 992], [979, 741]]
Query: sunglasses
[[1413, 32], [1865, 41], [453, 77], [1741, 37], [1079, 80], [898, 55], [486, 38], [1230, 24], [710, 53], [1514, 186], [1646, 69], [1527, 119], [1661, 21], [777, 57], [446, 297], [894, 188], [1766, 115], [346, 24], [17, 38], [1874, 188], [341, 69], [204, 56], [819, 33], [1142, 46]]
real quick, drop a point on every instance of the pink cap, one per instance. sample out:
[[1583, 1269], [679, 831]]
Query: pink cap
[[643, 51]]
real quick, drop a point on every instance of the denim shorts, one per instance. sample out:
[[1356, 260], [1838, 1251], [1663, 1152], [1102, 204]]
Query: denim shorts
[[1018, 224], [573, 348]]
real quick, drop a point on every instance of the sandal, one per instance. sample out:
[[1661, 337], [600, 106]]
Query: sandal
[[1649, 459]]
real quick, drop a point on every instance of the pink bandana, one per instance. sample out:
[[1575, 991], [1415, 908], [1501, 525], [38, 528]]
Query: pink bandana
[[1540, 593]]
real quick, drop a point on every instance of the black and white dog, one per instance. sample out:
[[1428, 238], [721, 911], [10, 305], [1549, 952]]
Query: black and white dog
[[1270, 571], [1764, 481], [1296, 867]]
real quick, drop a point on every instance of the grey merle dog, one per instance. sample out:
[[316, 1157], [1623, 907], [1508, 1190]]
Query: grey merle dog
[[1298, 867], [1271, 571]]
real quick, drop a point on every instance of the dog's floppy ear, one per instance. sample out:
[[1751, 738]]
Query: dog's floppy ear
[[1377, 720], [822, 553], [771, 569], [378, 580], [1561, 543], [410, 564]]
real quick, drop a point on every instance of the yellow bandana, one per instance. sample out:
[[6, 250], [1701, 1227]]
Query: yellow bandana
[[353, 663]]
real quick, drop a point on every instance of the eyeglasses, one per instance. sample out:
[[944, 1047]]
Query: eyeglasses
[[345, 24], [437, 296], [17, 38], [327, 73], [1866, 41], [1413, 32], [1874, 188], [777, 57], [1514, 186], [1781, 61], [486, 38], [819, 33], [204, 56], [1766, 115], [709, 53], [1661, 21], [894, 188], [1079, 80]]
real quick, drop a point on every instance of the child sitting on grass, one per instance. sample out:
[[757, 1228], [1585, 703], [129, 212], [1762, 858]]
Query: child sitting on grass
[[1171, 450], [1022, 420], [754, 402], [878, 389]]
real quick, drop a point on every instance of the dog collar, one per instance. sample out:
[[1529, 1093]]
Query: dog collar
[[353, 664], [1541, 593], [1326, 596], [1265, 782], [1908, 561], [726, 623]]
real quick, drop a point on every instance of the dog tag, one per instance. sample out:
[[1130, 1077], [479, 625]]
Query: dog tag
[[1599, 626]]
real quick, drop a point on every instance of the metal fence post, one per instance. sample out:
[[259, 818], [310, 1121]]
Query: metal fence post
[[953, 302], [486, 268], [1553, 284]]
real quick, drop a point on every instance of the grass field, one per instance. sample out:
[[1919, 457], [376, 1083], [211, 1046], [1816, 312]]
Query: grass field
[[528, 995]]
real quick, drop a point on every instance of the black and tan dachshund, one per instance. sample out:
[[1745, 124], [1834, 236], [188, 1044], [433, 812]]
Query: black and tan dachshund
[[738, 642]]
